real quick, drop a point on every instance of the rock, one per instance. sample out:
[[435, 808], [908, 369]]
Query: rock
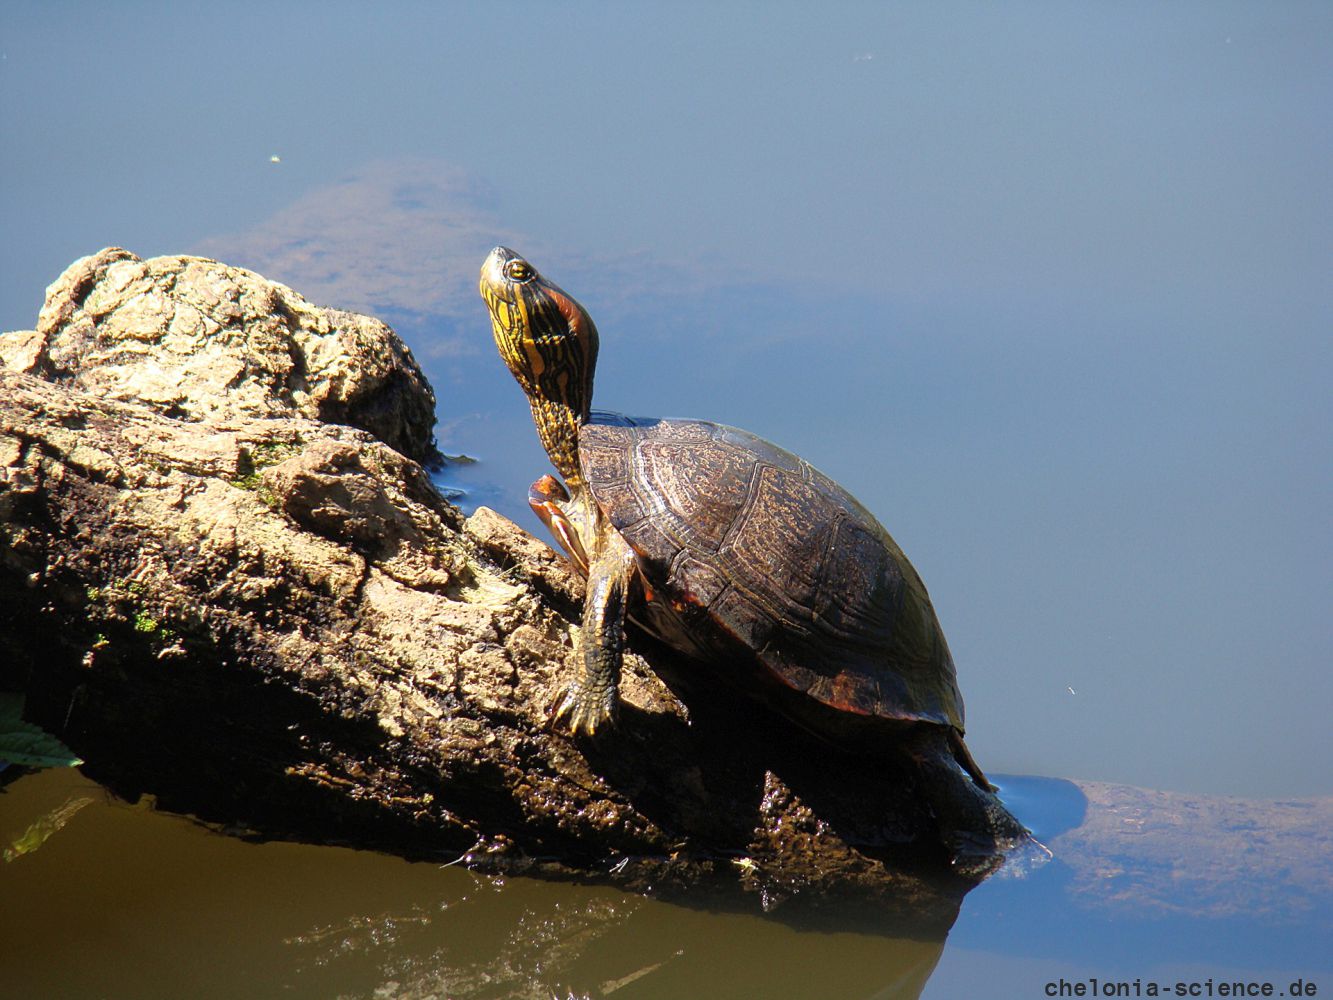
[[192, 338], [24, 351], [226, 580]]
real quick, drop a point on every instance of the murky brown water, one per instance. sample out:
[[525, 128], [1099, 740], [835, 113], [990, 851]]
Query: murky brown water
[[106, 899], [122, 901]]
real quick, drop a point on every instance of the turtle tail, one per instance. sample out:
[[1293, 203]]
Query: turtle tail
[[967, 762], [974, 824]]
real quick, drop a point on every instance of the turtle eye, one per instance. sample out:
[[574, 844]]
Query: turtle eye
[[518, 270]]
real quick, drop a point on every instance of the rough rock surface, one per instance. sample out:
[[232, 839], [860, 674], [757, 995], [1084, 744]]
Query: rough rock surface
[[193, 339], [226, 580]]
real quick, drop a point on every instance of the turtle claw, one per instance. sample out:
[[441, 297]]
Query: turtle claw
[[583, 710]]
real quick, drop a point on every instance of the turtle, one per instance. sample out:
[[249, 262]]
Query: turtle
[[738, 554]]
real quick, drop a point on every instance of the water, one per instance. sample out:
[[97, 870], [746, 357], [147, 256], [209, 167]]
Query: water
[[1045, 288], [116, 900]]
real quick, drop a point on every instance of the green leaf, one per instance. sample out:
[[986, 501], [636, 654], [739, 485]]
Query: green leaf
[[37, 834], [23, 743]]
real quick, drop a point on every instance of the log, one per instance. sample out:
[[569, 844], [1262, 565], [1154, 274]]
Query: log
[[227, 580]]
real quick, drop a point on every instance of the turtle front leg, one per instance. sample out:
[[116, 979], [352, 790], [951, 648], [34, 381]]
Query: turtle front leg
[[594, 695]]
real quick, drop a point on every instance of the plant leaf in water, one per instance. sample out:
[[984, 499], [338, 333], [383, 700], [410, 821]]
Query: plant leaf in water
[[23, 743], [36, 835]]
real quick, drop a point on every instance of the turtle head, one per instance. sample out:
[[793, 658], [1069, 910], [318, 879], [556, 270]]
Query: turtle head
[[549, 343]]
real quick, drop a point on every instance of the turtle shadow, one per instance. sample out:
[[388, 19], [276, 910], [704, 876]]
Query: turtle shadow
[[748, 789], [742, 746], [684, 776]]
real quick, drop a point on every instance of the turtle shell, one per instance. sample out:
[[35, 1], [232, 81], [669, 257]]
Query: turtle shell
[[745, 546]]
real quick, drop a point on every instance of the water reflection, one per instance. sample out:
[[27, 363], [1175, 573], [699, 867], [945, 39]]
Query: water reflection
[[1148, 882], [115, 900], [127, 902]]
